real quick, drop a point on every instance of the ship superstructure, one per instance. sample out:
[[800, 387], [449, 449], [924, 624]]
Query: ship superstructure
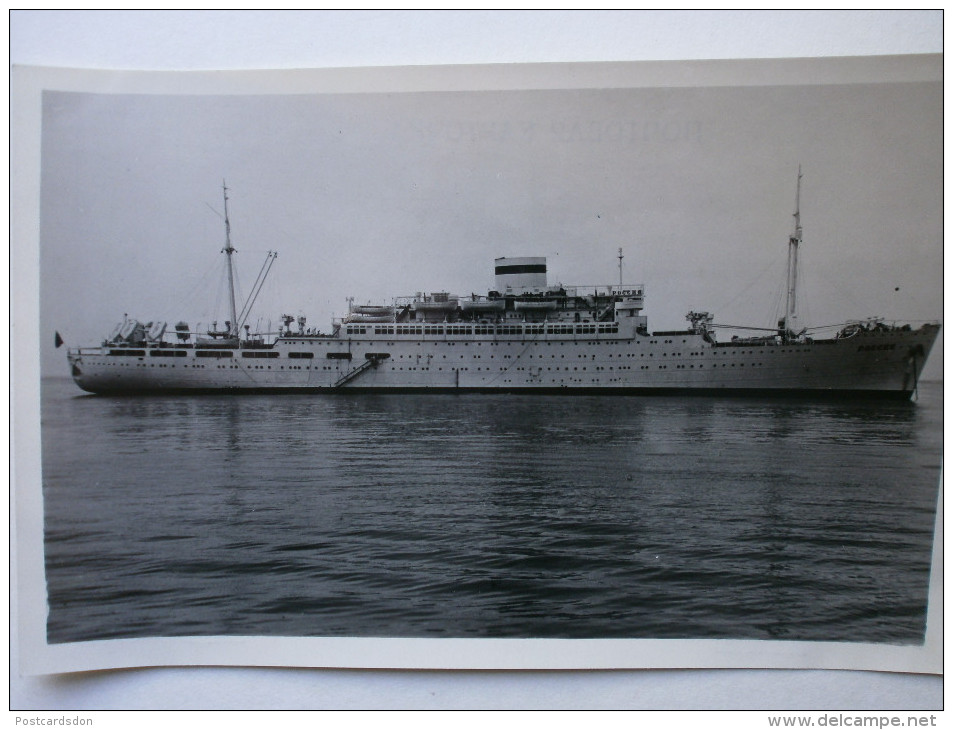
[[525, 335]]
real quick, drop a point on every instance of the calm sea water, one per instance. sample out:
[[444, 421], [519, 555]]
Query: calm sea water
[[488, 516]]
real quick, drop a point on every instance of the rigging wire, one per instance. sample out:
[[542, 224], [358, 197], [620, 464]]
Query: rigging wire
[[214, 211], [174, 301], [239, 295], [781, 291], [803, 302], [758, 278], [219, 291]]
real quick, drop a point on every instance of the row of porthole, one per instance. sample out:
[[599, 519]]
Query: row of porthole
[[142, 365], [502, 369], [218, 367], [602, 342], [631, 354], [298, 367], [508, 344]]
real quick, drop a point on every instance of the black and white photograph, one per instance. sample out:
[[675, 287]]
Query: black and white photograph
[[644, 353]]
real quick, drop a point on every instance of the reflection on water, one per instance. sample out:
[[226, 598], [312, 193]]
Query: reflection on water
[[488, 515]]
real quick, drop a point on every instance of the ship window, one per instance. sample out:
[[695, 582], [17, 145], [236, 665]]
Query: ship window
[[213, 353], [308, 355], [260, 354]]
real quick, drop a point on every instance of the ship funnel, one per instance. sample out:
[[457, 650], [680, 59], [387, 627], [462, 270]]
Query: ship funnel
[[521, 275]]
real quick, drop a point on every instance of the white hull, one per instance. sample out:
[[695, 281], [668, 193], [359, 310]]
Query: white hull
[[534, 338], [875, 362]]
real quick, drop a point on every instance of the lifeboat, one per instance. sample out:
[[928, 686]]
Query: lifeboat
[[127, 329], [156, 331], [435, 307], [434, 310], [115, 336], [482, 305], [523, 305], [373, 310], [362, 317]]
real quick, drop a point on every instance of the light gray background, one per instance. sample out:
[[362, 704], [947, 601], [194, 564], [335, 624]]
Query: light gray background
[[211, 40]]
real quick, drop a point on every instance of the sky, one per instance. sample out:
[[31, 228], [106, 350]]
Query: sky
[[377, 195]]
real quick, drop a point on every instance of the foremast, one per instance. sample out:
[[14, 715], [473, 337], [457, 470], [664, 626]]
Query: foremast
[[788, 327]]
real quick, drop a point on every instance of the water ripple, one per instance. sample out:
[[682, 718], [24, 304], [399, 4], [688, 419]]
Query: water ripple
[[502, 516]]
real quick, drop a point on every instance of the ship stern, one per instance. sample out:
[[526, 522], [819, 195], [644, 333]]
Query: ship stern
[[75, 360]]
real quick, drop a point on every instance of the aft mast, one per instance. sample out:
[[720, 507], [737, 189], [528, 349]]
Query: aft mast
[[228, 251], [788, 325]]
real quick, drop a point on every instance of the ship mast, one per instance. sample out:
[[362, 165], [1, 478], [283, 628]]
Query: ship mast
[[228, 251], [790, 306], [620, 269]]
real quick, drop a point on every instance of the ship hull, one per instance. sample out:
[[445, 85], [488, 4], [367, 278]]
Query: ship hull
[[870, 364], [647, 392]]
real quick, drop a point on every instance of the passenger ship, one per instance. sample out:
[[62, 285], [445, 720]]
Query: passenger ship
[[526, 335]]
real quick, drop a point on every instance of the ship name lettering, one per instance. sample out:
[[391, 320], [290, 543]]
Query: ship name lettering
[[868, 348]]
